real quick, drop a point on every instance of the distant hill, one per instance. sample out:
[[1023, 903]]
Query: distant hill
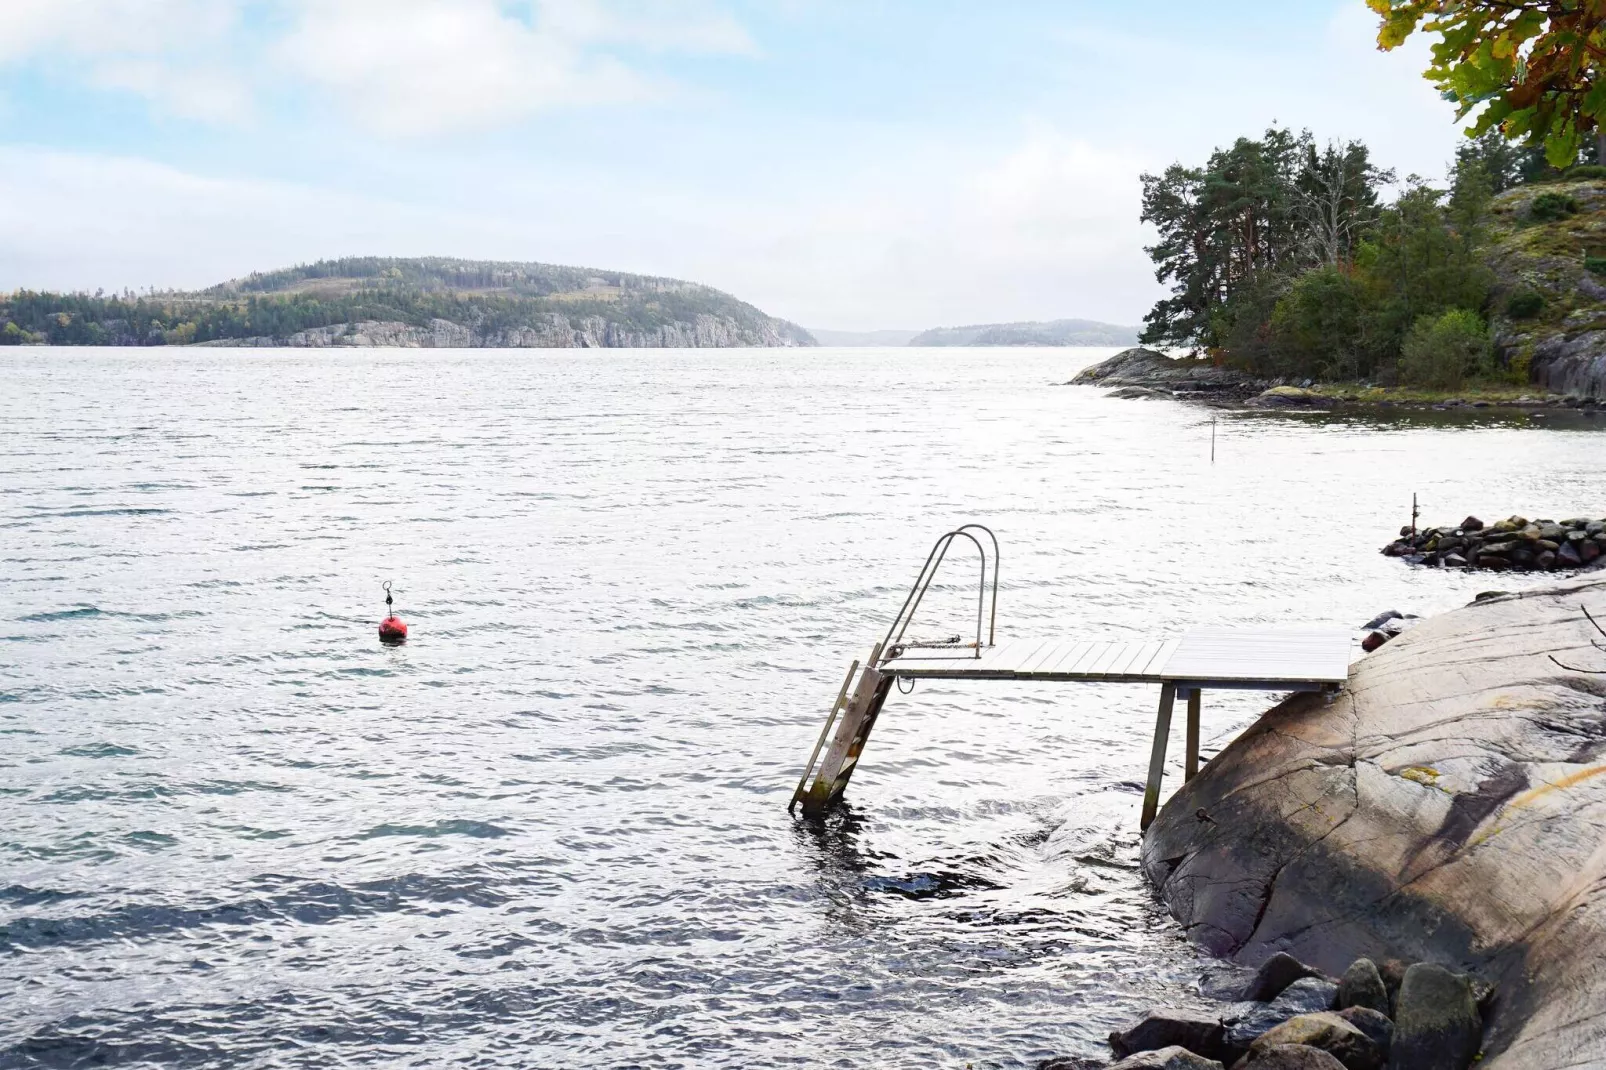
[[861, 338], [1049, 333], [423, 302]]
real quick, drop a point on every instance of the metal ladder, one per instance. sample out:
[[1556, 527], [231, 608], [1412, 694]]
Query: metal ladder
[[864, 690]]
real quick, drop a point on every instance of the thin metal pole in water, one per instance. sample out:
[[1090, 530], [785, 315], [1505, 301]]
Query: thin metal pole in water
[[1212, 440], [1414, 513]]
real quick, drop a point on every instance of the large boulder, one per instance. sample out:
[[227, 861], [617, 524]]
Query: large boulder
[[1288, 1057], [1375, 1024], [1444, 807], [1200, 1033], [1245, 1021], [1276, 974], [1173, 1058], [1330, 1033], [1362, 986], [1436, 1024]]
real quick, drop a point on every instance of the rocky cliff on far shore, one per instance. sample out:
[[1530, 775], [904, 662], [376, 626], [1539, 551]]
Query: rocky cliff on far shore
[[548, 331], [1446, 807]]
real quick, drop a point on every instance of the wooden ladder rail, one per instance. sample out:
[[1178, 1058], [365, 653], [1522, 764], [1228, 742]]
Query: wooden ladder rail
[[859, 713], [830, 719]]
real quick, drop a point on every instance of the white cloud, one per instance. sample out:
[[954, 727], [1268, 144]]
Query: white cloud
[[397, 66], [406, 66], [163, 50]]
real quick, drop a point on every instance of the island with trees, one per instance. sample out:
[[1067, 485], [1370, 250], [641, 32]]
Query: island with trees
[[1288, 263], [389, 301]]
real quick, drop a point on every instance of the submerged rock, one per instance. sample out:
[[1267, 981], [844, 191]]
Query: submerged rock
[[1444, 807]]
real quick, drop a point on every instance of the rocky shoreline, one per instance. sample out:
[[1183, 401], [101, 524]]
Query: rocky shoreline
[[1139, 373], [1515, 543], [1443, 808], [1291, 1016]]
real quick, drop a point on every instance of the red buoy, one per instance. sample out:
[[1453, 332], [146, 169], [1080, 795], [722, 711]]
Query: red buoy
[[392, 629]]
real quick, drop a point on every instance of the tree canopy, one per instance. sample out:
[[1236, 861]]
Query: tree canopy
[[1534, 65], [1283, 259]]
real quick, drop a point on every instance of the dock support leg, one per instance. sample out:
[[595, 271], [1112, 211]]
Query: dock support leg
[[1190, 764], [1162, 733]]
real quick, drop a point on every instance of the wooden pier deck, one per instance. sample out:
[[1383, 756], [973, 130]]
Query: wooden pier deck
[[1259, 658], [1203, 659]]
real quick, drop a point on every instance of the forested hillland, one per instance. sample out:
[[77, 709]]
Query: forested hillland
[[1288, 259], [406, 302]]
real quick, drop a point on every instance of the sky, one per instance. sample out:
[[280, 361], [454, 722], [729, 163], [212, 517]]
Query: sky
[[845, 164]]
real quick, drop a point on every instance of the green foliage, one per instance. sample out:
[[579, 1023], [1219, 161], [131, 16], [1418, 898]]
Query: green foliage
[[1420, 264], [1443, 351], [1503, 163], [1525, 304], [1319, 328], [1583, 171], [1233, 232], [1529, 67], [1595, 264], [1282, 262], [1551, 206]]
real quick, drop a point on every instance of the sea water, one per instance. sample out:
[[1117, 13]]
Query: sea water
[[551, 829]]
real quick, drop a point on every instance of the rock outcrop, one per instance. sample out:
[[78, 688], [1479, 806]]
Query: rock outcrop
[[1561, 336], [1446, 807], [1147, 368]]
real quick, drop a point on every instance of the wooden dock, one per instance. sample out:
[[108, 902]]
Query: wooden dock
[[1203, 659]]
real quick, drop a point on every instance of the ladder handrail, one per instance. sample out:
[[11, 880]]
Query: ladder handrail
[[928, 573], [992, 621]]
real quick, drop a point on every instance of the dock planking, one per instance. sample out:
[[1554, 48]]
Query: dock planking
[[1207, 657], [1263, 658]]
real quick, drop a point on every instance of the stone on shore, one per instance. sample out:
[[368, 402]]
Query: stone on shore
[[1247, 1020], [1445, 806], [1362, 986], [1374, 1024], [1172, 1058], [1201, 1033], [1330, 1033], [1288, 1057], [1276, 974], [1284, 397], [1436, 1022]]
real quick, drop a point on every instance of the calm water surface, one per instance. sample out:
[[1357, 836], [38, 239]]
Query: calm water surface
[[550, 831]]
